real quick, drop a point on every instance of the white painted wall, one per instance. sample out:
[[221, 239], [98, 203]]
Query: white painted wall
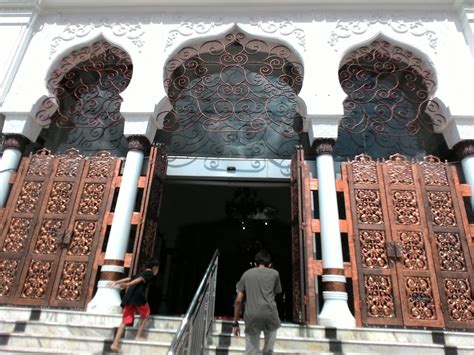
[[320, 33]]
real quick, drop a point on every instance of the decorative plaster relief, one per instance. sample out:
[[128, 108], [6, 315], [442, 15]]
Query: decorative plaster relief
[[345, 29], [191, 27], [284, 28], [117, 27], [188, 28]]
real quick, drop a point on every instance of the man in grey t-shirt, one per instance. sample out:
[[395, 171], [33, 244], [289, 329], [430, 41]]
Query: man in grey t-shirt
[[259, 285]]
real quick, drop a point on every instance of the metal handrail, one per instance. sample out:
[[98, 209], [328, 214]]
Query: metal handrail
[[192, 333]]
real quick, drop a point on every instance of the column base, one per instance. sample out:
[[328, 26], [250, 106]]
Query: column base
[[106, 301], [335, 312]]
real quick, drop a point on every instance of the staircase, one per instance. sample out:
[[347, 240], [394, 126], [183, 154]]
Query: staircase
[[52, 331]]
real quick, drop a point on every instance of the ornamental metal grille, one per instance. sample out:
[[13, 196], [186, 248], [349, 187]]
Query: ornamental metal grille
[[388, 108], [235, 97], [86, 86]]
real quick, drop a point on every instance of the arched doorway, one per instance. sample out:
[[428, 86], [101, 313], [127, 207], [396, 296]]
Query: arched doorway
[[234, 97]]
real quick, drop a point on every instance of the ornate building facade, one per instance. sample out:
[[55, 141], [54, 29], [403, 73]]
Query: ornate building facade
[[116, 118]]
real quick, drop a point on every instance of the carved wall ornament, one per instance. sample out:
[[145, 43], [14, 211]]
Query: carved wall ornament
[[405, 207], [37, 279], [413, 250], [417, 28], [374, 253], [284, 27], [368, 206], [117, 27], [190, 27], [434, 172], [399, 170], [459, 297], [72, 279]]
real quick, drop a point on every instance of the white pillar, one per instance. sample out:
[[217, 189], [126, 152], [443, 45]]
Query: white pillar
[[9, 162], [335, 311], [107, 300]]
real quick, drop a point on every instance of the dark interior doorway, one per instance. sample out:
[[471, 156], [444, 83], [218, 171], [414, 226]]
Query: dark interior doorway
[[198, 217]]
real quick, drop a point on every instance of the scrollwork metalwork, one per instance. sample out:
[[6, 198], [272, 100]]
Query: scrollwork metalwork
[[388, 102], [233, 97], [87, 84]]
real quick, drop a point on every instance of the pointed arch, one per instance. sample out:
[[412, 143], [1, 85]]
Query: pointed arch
[[233, 96], [86, 85], [389, 104]]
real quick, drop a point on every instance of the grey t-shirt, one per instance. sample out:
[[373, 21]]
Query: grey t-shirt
[[260, 285]]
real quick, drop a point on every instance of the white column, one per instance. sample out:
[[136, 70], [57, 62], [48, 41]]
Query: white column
[[107, 300], [335, 311], [9, 162]]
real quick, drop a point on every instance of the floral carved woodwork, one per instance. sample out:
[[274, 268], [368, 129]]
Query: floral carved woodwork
[[72, 279], [418, 254], [8, 269], [379, 296], [460, 302], [420, 298], [66, 196], [37, 279]]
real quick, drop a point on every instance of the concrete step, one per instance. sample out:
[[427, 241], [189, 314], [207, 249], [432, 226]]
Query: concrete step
[[319, 339]]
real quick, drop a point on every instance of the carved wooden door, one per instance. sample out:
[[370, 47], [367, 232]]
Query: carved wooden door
[[380, 299], [447, 227], [20, 219], [145, 245], [298, 236], [56, 261], [413, 261]]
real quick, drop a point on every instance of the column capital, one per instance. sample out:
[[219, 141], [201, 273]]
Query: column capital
[[138, 142], [15, 141], [464, 148], [323, 146]]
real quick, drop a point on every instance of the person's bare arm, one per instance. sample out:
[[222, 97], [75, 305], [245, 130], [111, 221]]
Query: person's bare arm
[[237, 307], [119, 282]]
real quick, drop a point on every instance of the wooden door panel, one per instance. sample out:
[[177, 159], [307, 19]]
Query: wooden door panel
[[38, 274], [417, 283], [21, 218], [84, 232], [297, 251], [452, 260], [378, 282]]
